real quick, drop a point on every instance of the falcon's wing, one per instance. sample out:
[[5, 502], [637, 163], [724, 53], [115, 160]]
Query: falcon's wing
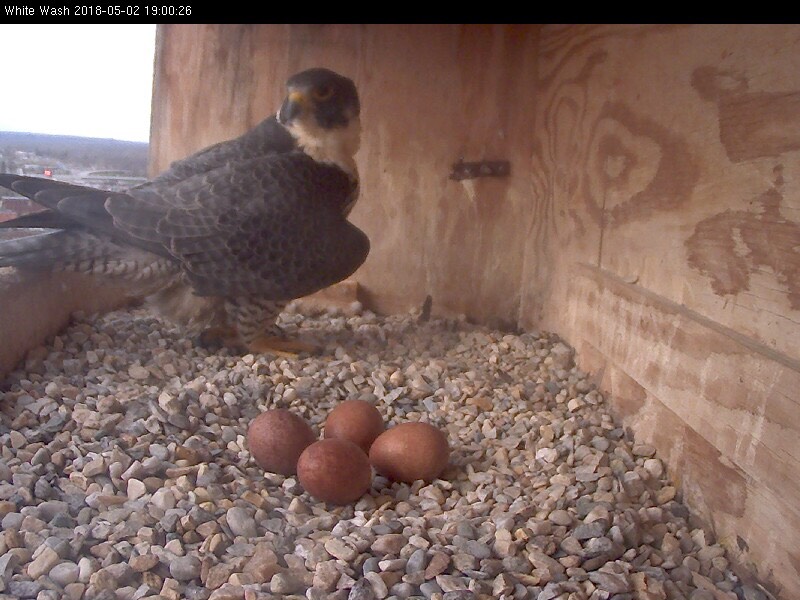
[[272, 226], [71, 207], [268, 137]]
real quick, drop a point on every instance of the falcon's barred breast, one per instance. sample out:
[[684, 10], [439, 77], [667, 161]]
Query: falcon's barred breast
[[226, 237]]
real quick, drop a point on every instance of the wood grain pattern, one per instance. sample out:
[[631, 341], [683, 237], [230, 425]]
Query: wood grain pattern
[[652, 216], [681, 167], [658, 163]]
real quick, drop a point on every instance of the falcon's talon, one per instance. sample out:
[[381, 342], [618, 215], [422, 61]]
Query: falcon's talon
[[226, 236]]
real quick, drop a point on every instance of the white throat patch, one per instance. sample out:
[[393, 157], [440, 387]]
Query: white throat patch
[[337, 146]]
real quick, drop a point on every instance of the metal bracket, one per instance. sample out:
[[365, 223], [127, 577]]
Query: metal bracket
[[485, 168]]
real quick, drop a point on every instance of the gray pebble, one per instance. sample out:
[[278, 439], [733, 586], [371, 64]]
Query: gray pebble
[[12, 520], [478, 549], [64, 521], [752, 593], [586, 531], [23, 589], [241, 522], [459, 595], [550, 591], [466, 530], [417, 561], [362, 590], [614, 583], [64, 573], [517, 564], [284, 583], [185, 568], [429, 588], [633, 484], [371, 564], [403, 590]]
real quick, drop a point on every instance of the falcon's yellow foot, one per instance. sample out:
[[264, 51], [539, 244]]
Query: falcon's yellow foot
[[283, 347]]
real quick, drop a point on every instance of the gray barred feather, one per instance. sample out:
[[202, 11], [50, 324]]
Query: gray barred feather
[[254, 317], [45, 250], [84, 252]]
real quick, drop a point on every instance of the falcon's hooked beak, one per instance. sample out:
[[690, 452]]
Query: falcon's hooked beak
[[294, 105]]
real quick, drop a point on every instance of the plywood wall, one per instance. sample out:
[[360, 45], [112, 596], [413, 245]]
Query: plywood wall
[[652, 215], [671, 157]]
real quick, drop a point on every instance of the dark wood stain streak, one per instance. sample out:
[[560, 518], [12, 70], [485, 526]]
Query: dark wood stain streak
[[629, 395], [770, 241], [713, 84], [703, 465], [758, 125], [712, 251], [795, 560], [751, 124]]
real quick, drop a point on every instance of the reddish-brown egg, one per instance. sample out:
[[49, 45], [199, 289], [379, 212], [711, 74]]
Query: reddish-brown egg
[[335, 470], [355, 420], [410, 451], [276, 438]]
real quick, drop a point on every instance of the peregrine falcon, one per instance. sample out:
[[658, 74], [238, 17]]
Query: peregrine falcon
[[225, 238]]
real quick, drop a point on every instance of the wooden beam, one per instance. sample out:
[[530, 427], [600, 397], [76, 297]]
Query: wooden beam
[[719, 407]]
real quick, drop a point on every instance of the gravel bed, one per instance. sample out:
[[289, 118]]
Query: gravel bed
[[124, 473]]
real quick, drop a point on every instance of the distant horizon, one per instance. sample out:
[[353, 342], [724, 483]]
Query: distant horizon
[[69, 135]]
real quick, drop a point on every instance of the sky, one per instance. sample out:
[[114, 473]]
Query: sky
[[85, 80]]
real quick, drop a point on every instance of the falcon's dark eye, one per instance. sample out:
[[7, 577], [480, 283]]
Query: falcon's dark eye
[[322, 93]]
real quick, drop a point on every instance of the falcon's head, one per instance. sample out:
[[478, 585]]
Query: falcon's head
[[321, 111]]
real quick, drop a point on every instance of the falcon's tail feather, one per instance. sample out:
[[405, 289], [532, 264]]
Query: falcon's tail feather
[[66, 247], [47, 192], [44, 251], [80, 209], [45, 219], [84, 252]]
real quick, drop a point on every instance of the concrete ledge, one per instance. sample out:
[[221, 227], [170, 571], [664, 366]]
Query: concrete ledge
[[35, 307]]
